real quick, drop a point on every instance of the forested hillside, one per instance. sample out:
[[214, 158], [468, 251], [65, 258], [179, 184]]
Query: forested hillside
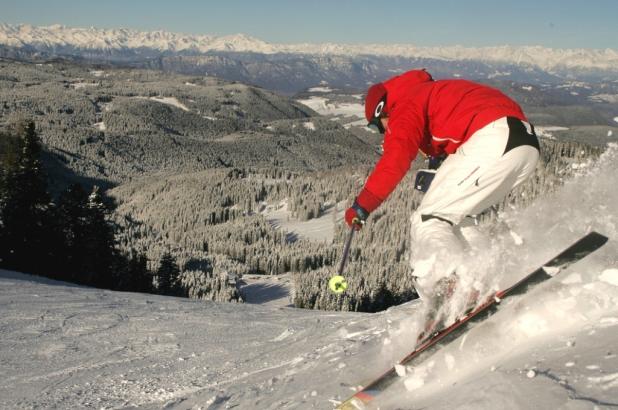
[[195, 168], [216, 215], [113, 124]]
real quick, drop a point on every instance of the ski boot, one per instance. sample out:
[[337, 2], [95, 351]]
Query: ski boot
[[436, 303]]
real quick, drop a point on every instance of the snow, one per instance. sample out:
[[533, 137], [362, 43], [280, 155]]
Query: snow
[[547, 131], [499, 74], [616, 119], [100, 126], [173, 101], [572, 279], [320, 90], [309, 125], [608, 381], [604, 98], [80, 85], [580, 307], [349, 114], [269, 290], [68, 346], [321, 229], [74, 347], [609, 276], [322, 106]]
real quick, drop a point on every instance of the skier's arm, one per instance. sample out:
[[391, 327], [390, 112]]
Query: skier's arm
[[401, 143]]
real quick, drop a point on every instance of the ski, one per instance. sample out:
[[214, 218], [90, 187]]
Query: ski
[[577, 251]]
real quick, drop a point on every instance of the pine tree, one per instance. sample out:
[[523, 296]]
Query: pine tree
[[71, 218], [167, 276], [138, 277], [102, 264], [25, 206]]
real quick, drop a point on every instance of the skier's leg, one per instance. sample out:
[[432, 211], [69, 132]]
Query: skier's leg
[[436, 251], [436, 248], [481, 173]]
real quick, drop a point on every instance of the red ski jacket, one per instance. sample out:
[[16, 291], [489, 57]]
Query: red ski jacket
[[435, 117]]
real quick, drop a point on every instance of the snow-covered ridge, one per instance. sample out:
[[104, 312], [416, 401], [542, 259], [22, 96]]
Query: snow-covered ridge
[[52, 37], [57, 36]]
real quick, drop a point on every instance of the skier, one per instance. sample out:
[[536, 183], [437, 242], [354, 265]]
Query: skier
[[491, 150]]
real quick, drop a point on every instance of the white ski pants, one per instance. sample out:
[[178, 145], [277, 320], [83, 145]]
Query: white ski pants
[[478, 175]]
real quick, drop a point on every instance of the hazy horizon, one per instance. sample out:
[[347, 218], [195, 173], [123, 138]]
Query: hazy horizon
[[479, 23]]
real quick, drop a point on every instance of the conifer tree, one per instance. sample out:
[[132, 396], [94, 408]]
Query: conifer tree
[[138, 277], [167, 275], [71, 218], [24, 207], [100, 243]]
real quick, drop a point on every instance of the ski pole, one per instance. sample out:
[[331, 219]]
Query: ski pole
[[338, 283], [346, 251]]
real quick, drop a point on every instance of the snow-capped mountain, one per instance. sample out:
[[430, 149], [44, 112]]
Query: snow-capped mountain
[[58, 37]]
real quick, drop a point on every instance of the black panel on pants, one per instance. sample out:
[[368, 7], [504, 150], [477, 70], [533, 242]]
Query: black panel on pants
[[518, 135]]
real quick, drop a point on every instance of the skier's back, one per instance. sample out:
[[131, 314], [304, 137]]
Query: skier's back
[[491, 149]]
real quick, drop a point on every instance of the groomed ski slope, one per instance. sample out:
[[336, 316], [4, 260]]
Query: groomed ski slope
[[65, 346]]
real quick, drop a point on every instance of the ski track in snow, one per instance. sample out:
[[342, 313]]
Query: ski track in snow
[[76, 347], [73, 347]]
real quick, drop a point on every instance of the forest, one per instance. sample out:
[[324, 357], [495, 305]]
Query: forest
[[150, 182]]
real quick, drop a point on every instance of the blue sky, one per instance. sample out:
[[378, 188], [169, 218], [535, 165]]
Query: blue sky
[[559, 23]]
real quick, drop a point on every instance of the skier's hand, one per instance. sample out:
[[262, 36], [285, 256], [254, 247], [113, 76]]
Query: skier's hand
[[356, 216]]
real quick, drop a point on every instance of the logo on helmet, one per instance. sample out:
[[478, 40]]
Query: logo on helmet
[[379, 108]]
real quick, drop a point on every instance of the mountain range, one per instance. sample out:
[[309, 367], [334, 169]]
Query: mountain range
[[290, 68], [57, 37]]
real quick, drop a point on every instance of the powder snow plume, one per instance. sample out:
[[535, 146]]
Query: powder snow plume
[[560, 336]]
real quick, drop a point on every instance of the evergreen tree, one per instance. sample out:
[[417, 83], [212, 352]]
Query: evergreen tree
[[25, 206], [89, 253], [71, 219], [102, 257], [138, 277], [167, 275]]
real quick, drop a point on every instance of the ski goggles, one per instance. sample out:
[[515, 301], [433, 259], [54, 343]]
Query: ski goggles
[[376, 125]]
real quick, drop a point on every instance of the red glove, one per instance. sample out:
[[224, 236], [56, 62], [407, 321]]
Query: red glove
[[357, 214]]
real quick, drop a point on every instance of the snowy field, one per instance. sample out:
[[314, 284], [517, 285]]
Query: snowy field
[[349, 114], [324, 106], [267, 290], [173, 101], [64, 346], [547, 131], [320, 229]]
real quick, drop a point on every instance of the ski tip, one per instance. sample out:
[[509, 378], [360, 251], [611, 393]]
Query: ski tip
[[597, 237]]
